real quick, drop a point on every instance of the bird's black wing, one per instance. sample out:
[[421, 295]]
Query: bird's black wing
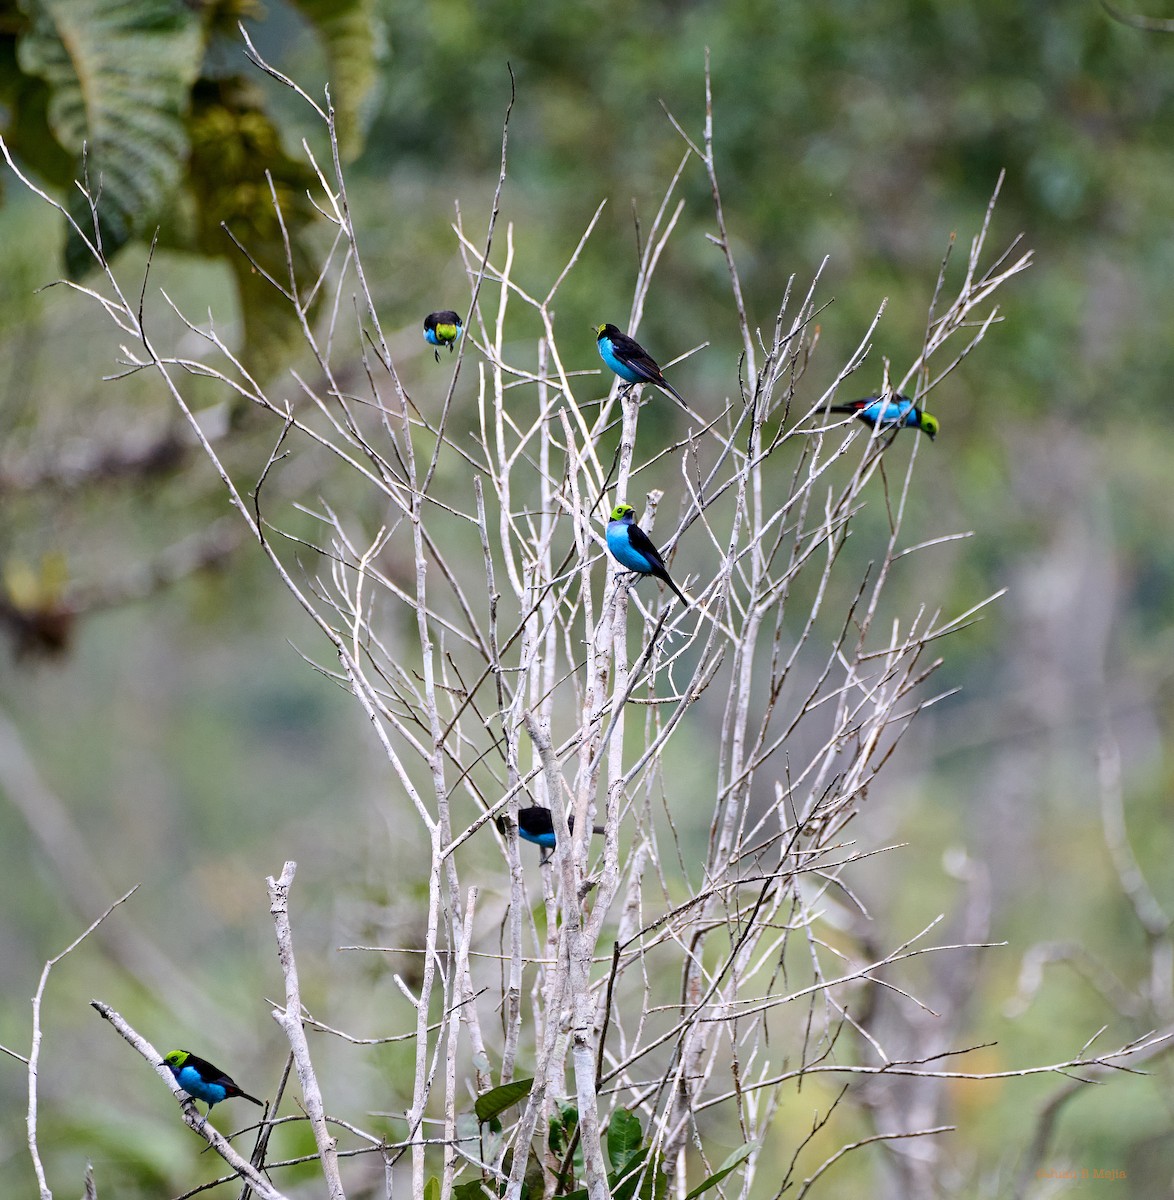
[[206, 1071], [445, 317], [642, 544], [629, 351], [214, 1075], [535, 820], [635, 356]]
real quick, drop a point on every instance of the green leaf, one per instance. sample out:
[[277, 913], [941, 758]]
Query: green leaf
[[655, 1183], [624, 1136], [498, 1099], [624, 1183], [534, 1180], [118, 76], [562, 1128], [728, 1167], [472, 1189], [432, 1189], [352, 39]]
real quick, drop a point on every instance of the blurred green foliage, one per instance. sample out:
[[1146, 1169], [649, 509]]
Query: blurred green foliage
[[136, 101]]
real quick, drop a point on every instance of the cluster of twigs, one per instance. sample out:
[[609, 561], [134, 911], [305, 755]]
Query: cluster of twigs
[[503, 660]]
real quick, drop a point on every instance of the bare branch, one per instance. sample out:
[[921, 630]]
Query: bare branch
[[290, 1019]]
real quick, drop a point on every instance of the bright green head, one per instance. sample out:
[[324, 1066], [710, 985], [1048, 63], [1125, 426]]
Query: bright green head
[[176, 1058], [929, 424], [622, 512]]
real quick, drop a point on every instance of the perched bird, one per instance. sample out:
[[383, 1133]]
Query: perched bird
[[442, 329], [631, 547], [630, 361], [896, 413], [536, 824], [201, 1080]]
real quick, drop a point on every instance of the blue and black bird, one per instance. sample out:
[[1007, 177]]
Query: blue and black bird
[[631, 362], [897, 412], [442, 329], [631, 547], [536, 824], [201, 1080]]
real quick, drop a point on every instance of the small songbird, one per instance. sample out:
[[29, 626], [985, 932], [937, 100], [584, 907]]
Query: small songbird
[[536, 824], [201, 1080], [630, 361], [896, 413], [442, 329], [630, 547]]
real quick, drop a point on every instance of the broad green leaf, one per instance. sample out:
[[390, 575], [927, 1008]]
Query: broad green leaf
[[534, 1179], [562, 1128], [728, 1167], [432, 1189], [624, 1135], [118, 75], [472, 1189], [624, 1183], [655, 1183], [350, 38], [498, 1099]]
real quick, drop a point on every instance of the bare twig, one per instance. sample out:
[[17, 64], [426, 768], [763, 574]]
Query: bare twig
[[33, 1060], [456, 570], [290, 1020], [200, 1124]]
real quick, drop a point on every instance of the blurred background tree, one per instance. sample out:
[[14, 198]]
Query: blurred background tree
[[189, 750]]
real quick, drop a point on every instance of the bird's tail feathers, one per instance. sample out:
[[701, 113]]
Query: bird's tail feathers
[[672, 391], [680, 594]]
